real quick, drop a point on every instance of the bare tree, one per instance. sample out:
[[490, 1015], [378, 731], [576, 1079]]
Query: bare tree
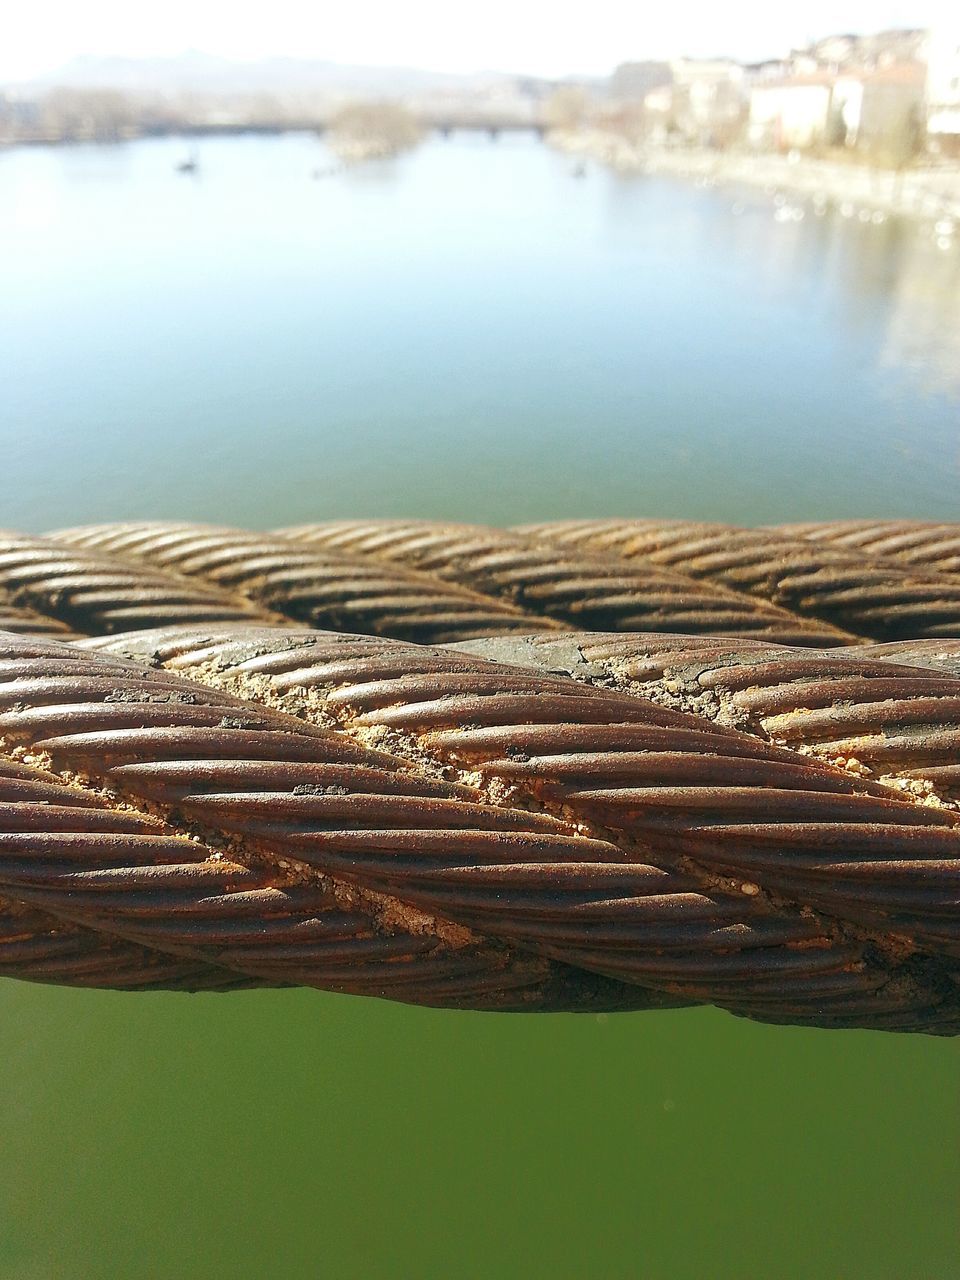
[[365, 130], [101, 115], [566, 108]]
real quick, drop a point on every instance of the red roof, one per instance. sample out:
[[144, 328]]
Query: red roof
[[912, 73]]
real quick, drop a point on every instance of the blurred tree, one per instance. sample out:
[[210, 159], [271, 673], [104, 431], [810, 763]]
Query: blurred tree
[[101, 115], [363, 130], [566, 108]]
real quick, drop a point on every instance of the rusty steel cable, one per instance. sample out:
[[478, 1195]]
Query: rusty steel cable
[[36, 946], [14, 617], [729, 869], [119, 812], [171, 745], [94, 594], [895, 724], [104, 858], [938, 655], [927, 543], [548, 821], [874, 599], [866, 709], [572, 586], [310, 585]]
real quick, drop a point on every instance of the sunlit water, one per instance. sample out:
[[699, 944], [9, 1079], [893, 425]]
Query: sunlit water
[[468, 331]]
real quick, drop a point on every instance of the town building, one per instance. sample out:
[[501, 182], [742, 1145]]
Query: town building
[[709, 103], [892, 120], [793, 113], [942, 52], [632, 81]]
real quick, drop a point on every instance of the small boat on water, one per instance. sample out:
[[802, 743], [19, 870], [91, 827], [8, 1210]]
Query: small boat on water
[[190, 163]]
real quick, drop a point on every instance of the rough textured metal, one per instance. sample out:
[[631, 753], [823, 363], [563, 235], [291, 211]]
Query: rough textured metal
[[843, 588], [203, 829], [894, 724], [310, 585], [97, 594], [572, 586], [864, 709], [927, 543], [769, 830], [29, 622], [38, 947], [696, 858], [938, 655]]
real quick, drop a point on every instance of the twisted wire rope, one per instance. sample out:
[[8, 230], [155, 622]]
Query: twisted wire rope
[[30, 622], [37, 946], [319, 588], [876, 710], [94, 594], [519, 820], [927, 543], [166, 745], [371, 824], [873, 599], [572, 586], [641, 780]]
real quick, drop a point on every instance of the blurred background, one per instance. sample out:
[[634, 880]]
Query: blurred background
[[498, 262]]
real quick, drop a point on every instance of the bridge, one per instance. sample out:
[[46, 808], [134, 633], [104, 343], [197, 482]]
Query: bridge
[[445, 125]]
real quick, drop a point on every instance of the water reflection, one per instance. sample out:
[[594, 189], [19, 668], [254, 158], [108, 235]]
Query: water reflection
[[923, 329], [890, 276], [466, 330]]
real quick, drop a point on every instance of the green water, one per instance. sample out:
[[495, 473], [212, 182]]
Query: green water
[[470, 331]]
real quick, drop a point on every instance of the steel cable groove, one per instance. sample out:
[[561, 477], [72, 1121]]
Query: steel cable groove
[[310, 585], [925, 543], [573, 586], [94, 594], [875, 599], [874, 710], [710, 811], [207, 795], [84, 835]]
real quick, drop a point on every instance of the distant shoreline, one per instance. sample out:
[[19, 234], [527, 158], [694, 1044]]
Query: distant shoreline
[[922, 193], [929, 193], [234, 129], [180, 131]]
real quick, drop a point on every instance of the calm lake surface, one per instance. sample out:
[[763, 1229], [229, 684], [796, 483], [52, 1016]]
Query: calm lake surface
[[470, 331]]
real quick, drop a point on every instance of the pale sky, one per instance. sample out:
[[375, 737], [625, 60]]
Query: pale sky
[[543, 37]]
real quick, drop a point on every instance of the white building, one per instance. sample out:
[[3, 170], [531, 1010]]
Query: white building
[[943, 88], [791, 113], [709, 98]]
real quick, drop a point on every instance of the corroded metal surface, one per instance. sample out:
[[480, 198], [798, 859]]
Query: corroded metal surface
[[867, 708], [639, 841], [894, 724], [310, 585], [928, 543], [876, 600], [570, 585], [96, 594], [202, 831], [639, 821], [29, 622], [938, 655], [38, 947]]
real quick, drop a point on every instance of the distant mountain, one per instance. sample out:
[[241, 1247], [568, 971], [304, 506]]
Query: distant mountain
[[196, 72]]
